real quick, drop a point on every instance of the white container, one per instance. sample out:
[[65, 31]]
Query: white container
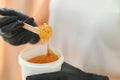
[[33, 68]]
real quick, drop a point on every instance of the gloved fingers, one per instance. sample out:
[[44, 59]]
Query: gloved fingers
[[12, 26], [30, 21], [48, 76], [6, 20], [13, 34], [15, 42], [18, 37], [24, 36], [11, 12], [29, 37], [19, 15]]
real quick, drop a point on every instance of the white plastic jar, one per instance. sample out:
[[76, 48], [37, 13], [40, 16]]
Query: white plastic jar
[[33, 68]]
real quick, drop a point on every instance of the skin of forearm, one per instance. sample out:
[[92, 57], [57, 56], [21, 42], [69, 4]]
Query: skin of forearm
[[41, 11], [114, 78]]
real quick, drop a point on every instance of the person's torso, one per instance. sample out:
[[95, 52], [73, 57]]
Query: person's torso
[[88, 33]]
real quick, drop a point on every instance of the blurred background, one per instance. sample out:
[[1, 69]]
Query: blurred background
[[9, 67]]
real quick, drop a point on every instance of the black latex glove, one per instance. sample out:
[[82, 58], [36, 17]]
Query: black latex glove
[[11, 27], [68, 72]]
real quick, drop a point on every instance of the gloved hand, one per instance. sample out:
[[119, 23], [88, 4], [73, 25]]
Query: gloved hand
[[11, 29], [67, 72]]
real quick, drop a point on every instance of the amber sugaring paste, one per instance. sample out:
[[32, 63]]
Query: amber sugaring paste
[[45, 32], [50, 57]]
